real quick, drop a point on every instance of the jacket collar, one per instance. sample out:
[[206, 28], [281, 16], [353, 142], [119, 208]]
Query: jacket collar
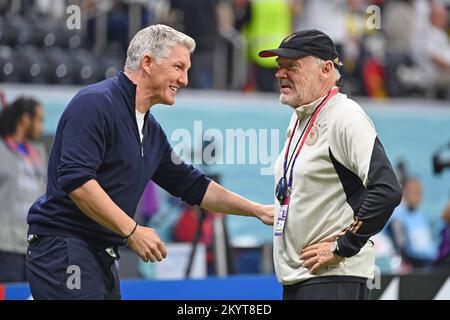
[[306, 110], [128, 89]]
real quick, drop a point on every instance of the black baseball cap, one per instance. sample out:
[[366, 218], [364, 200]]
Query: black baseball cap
[[304, 43]]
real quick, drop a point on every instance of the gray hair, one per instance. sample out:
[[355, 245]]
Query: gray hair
[[336, 73], [156, 40]]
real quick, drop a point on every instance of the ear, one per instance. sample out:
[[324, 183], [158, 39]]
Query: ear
[[146, 63], [327, 69]]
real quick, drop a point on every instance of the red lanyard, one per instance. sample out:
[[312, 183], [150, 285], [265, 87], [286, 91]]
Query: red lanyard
[[32, 157], [330, 95]]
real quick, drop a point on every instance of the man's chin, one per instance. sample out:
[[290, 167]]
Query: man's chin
[[284, 100], [169, 102]]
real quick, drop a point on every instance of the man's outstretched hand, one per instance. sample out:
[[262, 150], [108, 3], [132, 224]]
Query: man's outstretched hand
[[265, 213]]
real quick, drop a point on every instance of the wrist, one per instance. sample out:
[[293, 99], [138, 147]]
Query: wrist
[[335, 249], [257, 210], [130, 233]]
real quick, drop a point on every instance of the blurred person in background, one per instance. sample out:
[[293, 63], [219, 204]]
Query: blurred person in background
[[443, 257], [186, 230], [149, 205], [399, 26], [431, 51], [264, 24], [335, 186], [22, 179], [410, 229], [328, 16], [107, 147], [356, 29]]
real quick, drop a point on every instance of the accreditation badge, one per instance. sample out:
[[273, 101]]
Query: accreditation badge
[[282, 216]]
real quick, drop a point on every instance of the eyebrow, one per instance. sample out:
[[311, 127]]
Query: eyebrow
[[285, 60], [288, 61]]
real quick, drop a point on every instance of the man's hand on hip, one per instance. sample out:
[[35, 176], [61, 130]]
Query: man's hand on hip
[[146, 243], [318, 256]]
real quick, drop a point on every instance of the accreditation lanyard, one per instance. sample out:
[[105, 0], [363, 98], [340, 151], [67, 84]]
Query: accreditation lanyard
[[284, 186], [32, 158]]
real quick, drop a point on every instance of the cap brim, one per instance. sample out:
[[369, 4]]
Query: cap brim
[[283, 52]]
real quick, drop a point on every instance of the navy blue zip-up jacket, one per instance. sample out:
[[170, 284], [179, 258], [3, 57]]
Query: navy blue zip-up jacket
[[97, 138]]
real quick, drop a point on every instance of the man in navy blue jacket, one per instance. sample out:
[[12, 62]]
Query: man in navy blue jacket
[[107, 146]]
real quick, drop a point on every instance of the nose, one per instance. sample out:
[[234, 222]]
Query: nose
[[281, 73], [183, 80]]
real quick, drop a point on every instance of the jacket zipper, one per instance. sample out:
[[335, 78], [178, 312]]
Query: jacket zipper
[[141, 143]]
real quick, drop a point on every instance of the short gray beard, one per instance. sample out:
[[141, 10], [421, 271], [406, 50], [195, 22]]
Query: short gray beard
[[284, 100]]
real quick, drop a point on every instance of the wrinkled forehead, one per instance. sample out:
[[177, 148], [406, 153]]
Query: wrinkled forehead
[[301, 61]]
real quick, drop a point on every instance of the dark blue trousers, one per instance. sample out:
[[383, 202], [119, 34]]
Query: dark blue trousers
[[12, 267], [70, 268]]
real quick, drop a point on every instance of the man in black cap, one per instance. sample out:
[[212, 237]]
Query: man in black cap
[[335, 187]]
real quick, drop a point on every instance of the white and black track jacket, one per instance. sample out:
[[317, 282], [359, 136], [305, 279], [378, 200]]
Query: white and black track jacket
[[344, 186]]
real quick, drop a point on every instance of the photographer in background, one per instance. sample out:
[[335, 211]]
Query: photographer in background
[[22, 179], [443, 257], [410, 228]]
